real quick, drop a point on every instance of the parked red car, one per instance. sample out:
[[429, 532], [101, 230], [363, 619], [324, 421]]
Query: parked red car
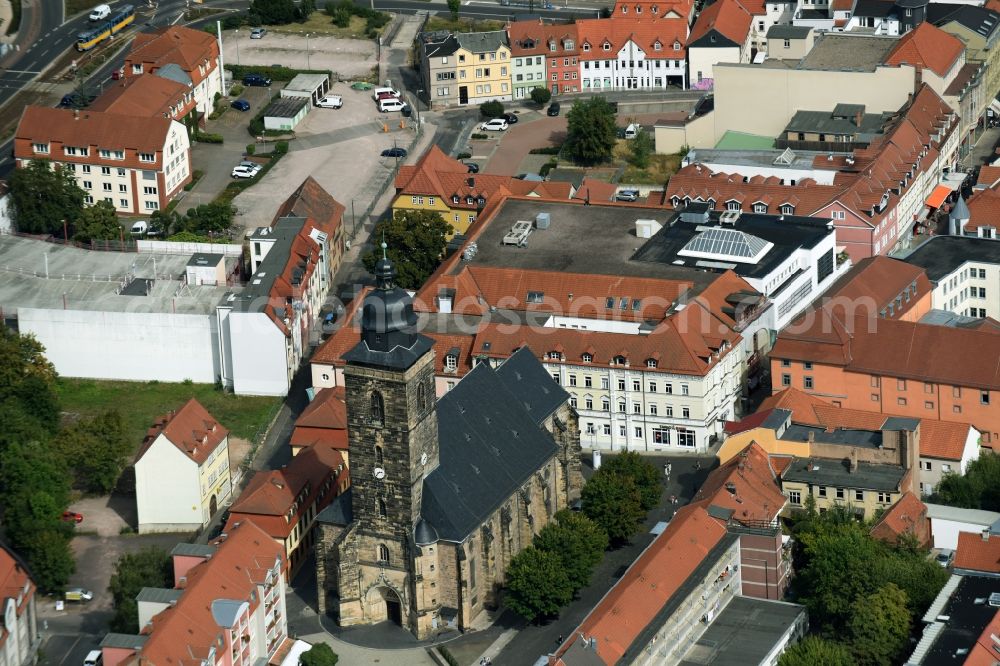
[[72, 517], [118, 74]]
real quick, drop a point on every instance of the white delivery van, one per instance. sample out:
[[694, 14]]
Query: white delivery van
[[632, 131], [390, 104], [383, 91], [140, 227], [100, 12], [94, 658]]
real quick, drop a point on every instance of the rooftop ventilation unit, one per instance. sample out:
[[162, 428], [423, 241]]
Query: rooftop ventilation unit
[[542, 221], [729, 217]]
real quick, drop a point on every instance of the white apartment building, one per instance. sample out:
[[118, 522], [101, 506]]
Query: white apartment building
[[632, 53], [136, 163], [965, 274]]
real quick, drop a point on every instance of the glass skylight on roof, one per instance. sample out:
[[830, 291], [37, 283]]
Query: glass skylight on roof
[[718, 243]]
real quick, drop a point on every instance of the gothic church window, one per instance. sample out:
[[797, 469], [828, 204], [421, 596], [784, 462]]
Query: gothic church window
[[377, 407], [421, 397], [382, 512], [383, 553], [379, 458]]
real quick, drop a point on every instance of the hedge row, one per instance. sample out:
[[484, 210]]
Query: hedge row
[[278, 73]]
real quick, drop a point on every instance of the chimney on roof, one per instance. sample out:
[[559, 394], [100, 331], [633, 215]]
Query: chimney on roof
[[986, 535], [811, 437], [858, 116], [471, 181], [76, 114], [854, 460]]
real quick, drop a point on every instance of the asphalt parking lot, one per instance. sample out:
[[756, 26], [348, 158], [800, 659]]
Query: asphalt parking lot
[[339, 148]]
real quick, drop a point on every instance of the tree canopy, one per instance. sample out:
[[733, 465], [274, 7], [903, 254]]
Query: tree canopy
[[880, 626], [537, 584], [577, 541], [978, 488], [816, 651], [96, 450], [274, 12], [646, 477], [27, 384], [98, 222], [149, 567], [415, 242], [591, 132], [540, 95], [44, 197], [614, 502], [319, 654], [454, 6]]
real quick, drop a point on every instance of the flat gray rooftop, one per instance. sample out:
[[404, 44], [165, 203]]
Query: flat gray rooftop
[[826, 472], [89, 280], [848, 52], [580, 239], [745, 632], [800, 159]]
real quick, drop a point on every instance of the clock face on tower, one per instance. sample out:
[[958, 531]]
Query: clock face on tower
[[378, 473]]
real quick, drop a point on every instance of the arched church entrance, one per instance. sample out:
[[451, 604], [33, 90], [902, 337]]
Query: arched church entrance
[[384, 604]]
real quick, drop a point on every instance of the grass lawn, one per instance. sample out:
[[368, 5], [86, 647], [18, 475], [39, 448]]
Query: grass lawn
[[142, 402], [320, 23], [461, 25], [660, 168], [77, 6]]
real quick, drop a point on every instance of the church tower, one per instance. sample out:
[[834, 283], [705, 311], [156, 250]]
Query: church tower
[[392, 428]]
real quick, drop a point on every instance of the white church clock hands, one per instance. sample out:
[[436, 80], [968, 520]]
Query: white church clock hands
[[379, 473]]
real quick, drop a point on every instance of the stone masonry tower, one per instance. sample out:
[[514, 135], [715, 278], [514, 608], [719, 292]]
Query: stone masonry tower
[[393, 445]]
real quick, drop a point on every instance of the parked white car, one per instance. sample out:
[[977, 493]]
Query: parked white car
[[331, 102], [245, 170], [495, 125]]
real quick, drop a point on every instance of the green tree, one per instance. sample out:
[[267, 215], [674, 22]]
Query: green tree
[[149, 567], [98, 222], [27, 386], [578, 542], [880, 627], [454, 6], [44, 197], [642, 147], [614, 502], [816, 651], [491, 109], [979, 488], [96, 450], [274, 12], [537, 584], [319, 654], [415, 240], [540, 96], [591, 132], [306, 8], [645, 475], [34, 491], [211, 218]]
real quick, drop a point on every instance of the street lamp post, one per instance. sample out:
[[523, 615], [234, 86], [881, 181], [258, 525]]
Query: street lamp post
[[307, 52], [236, 38]]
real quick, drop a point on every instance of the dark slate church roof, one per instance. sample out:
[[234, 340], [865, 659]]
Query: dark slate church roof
[[491, 443]]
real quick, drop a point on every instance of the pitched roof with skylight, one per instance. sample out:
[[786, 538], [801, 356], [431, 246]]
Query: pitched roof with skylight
[[731, 244]]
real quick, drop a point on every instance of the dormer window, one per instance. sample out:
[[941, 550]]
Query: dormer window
[[624, 9], [675, 201], [455, 199], [651, 363], [787, 209], [451, 362], [568, 44], [619, 360], [470, 201], [638, 9], [606, 46], [588, 358], [552, 45], [586, 47], [760, 207], [554, 356], [535, 297], [677, 46], [657, 46], [610, 303], [654, 9]]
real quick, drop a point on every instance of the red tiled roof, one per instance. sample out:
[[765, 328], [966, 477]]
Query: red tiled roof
[[780, 463], [187, 48], [841, 5], [436, 174], [629, 607], [879, 280], [989, 175], [14, 580], [311, 201], [271, 494], [984, 209], [927, 46], [747, 485], [747, 423], [663, 8], [323, 421], [93, 130], [145, 95], [594, 191], [907, 516], [978, 554], [478, 288], [993, 5], [186, 632], [532, 38], [727, 17], [645, 31], [191, 429], [938, 439]]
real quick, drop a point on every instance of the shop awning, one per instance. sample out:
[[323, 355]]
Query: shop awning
[[938, 196]]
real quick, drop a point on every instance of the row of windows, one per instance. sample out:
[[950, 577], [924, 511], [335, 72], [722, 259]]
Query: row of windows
[[527, 62], [123, 203], [654, 410], [633, 64], [882, 497], [661, 434], [653, 386]]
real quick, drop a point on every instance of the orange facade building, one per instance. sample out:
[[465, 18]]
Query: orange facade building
[[862, 346]]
